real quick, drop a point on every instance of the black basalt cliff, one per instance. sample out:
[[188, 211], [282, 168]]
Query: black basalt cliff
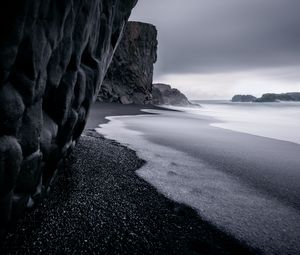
[[129, 78], [53, 57]]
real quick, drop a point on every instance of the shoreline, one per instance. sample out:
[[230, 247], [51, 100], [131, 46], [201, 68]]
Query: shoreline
[[99, 111], [253, 171], [103, 206]]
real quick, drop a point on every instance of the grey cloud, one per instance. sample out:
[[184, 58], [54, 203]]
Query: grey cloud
[[207, 36]]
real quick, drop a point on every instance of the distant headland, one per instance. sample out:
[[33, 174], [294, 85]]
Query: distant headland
[[268, 97], [243, 98]]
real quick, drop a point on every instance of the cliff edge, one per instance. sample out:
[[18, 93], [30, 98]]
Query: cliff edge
[[129, 78]]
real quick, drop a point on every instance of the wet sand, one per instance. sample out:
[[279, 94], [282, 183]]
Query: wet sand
[[100, 110]]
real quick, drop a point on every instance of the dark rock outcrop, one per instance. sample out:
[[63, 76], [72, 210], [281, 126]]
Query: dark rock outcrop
[[129, 78], [53, 57], [163, 94], [268, 97], [243, 98], [271, 97]]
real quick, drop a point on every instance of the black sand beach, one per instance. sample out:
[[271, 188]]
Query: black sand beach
[[100, 206]]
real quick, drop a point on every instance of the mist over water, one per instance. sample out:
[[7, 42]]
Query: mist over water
[[273, 120]]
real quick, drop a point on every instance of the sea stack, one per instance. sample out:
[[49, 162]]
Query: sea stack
[[243, 98], [129, 78], [54, 56]]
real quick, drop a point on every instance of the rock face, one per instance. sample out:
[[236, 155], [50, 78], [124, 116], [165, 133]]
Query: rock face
[[163, 94], [53, 57], [271, 97], [129, 78], [243, 98]]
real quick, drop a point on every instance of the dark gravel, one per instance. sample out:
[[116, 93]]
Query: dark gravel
[[100, 206]]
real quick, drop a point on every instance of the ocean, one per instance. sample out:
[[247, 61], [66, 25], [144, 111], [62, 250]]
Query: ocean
[[237, 165], [280, 120]]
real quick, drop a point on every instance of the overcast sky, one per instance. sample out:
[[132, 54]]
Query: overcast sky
[[212, 49]]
